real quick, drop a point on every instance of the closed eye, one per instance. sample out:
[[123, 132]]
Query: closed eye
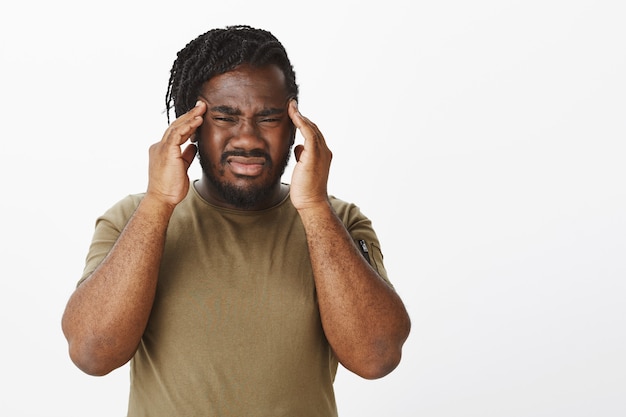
[[271, 117], [224, 118], [270, 122]]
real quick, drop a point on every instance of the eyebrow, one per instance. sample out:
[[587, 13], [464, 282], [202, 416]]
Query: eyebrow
[[270, 112], [232, 111]]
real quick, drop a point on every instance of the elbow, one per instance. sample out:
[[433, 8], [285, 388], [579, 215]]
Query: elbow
[[93, 354], [84, 354], [381, 360], [380, 367], [384, 356], [89, 361]]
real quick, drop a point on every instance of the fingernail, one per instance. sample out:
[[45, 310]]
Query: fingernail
[[198, 103]]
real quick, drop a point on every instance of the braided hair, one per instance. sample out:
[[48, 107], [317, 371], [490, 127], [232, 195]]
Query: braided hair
[[218, 51]]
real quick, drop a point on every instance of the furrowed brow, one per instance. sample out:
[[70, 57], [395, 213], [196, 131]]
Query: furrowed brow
[[230, 111], [270, 112]]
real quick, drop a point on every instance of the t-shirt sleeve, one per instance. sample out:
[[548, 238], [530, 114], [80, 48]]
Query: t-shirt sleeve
[[107, 229], [362, 232]]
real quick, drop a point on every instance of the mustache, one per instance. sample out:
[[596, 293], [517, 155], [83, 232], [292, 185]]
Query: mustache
[[254, 153]]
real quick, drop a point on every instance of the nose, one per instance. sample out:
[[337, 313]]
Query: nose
[[246, 135]]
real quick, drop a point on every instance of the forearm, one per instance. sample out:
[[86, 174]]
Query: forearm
[[107, 314], [364, 319]]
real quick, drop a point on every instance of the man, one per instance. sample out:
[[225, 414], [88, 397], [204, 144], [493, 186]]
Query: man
[[236, 294]]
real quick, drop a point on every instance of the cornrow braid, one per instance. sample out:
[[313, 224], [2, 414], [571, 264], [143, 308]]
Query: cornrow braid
[[218, 51]]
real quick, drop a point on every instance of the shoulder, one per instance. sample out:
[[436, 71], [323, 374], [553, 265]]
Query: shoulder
[[122, 210], [348, 212], [128, 203], [362, 232]]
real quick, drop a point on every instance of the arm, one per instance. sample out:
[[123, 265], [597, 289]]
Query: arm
[[363, 318], [107, 314]]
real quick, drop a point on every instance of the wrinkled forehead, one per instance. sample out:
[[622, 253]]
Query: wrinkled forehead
[[246, 83]]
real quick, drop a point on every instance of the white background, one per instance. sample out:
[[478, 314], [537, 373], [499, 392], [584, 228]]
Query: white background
[[485, 140]]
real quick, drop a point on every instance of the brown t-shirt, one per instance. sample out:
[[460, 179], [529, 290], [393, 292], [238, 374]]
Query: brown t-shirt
[[235, 327]]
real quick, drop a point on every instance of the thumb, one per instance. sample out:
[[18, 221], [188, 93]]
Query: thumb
[[189, 153]]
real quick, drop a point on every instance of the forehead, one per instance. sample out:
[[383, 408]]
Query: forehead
[[246, 85]]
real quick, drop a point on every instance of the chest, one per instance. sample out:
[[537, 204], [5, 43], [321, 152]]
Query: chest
[[239, 278]]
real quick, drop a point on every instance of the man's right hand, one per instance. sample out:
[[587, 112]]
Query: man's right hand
[[168, 179]]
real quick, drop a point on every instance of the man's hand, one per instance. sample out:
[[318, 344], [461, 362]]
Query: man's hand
[[310, 175], [168, 180]]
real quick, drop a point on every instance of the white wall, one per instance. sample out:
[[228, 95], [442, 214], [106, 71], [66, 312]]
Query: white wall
[[484, 139]]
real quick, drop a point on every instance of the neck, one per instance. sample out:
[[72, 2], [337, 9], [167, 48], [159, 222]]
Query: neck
[[211, 194]]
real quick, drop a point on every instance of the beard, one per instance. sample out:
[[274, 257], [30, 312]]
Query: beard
[[243, 197]]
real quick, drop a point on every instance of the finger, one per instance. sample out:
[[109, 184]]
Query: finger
[[189, 153], [296, 117], [184, 127], [308, 129]]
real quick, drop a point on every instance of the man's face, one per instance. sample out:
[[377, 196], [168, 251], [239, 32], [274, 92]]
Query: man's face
[[245, 140]]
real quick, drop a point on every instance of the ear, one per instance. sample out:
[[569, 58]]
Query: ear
[[298, 151]]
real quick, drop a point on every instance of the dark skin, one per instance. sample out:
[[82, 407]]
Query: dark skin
[[246, 109], [246, 112]]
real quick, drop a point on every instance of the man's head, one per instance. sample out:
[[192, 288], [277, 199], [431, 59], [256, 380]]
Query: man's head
[[245, 79], [218, 51]]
